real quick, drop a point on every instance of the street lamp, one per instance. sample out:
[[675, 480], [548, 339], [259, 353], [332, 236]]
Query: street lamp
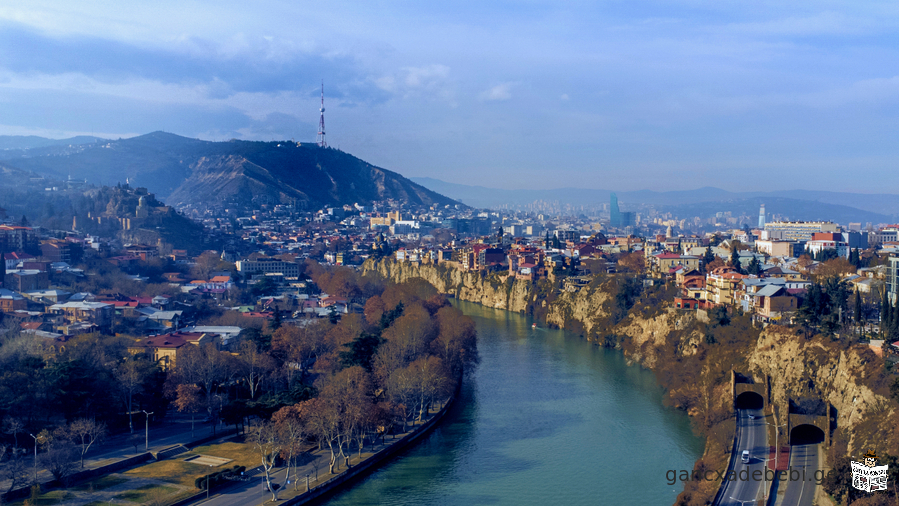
[[207, 486], [742, 501], [147, 430], [35, 456]]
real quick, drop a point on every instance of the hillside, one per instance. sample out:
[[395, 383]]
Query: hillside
[[201, 174]]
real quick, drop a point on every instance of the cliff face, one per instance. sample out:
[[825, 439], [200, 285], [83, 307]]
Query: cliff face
[[848, 379], [497, 291], [845, 378]]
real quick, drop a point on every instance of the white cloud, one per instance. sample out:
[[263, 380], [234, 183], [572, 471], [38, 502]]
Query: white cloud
[[499, 92], [427, 81]]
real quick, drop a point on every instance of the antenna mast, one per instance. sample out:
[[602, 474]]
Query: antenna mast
[[321, 122]]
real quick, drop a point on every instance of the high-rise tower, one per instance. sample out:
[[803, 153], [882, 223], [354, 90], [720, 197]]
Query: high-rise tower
[[614, 212], [762, 217], [321, 122]]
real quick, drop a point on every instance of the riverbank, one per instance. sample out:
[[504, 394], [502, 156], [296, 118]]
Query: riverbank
[[314, 468]]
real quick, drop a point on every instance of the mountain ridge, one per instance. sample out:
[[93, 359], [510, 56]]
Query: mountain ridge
[[189, 172]]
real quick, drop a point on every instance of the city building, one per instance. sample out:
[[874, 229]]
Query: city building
[[798, 230]]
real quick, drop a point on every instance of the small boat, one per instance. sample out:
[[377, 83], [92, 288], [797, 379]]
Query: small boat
[[533, 325]]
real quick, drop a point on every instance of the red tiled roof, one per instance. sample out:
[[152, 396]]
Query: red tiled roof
[[120, 303]]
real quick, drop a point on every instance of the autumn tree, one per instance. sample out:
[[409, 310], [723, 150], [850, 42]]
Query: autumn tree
[[456, 341], [205, 264], [298, 347], [836, 267], [190, 399], [374, 308], [633, 262]]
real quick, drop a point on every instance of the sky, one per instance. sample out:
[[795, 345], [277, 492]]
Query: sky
[[620, 95]]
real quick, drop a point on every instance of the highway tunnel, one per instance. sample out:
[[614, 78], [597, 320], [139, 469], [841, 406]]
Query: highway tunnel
[[806, 434], [749, 400]]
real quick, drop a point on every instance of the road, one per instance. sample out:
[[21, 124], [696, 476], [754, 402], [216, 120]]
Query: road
[[801, 492], [753, 436]]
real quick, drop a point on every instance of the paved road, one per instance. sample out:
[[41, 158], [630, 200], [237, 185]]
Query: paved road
[[753, 437], [801, 492]]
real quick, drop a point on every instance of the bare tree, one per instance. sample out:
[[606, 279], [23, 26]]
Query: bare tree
[[324, 423], [349, 394], [86, 432], [14, 469], [130, 375], [255, 366], [61, 456], [268, 442], [13, 425], [401, 388], [430, 381], [290, 421]]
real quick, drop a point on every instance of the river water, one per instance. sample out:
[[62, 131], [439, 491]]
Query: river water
[[545, 418]]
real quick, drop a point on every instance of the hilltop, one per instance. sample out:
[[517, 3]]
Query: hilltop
[[199, 174]]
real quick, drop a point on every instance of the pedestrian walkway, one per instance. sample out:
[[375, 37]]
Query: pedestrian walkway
[[314, 468]]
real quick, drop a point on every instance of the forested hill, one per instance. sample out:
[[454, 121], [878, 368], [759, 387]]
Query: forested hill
[[191, 172]]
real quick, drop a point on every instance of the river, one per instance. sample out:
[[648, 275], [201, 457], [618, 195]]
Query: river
[[545, 418]]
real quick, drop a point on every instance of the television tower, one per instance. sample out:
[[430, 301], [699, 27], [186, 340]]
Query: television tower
[[321, 122]]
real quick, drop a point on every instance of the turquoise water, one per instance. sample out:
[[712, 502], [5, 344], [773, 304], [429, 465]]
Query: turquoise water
[[545, 418]]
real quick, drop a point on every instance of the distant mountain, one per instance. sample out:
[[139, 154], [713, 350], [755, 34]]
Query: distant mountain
[[797, 204], [188, 172], [33, 141]]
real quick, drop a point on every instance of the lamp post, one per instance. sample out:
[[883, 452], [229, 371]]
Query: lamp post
[[35, 456], [742, 502], [147, 430], [776, 452], [208, 485]]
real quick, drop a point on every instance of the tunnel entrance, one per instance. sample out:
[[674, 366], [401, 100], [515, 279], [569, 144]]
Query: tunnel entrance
[[749, 400], [806, 434]]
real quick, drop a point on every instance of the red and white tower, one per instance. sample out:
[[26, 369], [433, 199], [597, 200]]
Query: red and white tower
[[321, 122]]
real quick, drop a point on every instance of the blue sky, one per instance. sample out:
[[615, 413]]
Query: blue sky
[[619, 95]]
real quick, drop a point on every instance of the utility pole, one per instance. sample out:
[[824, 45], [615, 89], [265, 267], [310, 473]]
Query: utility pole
[[35, 456], [776, 452], [147, 430]]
